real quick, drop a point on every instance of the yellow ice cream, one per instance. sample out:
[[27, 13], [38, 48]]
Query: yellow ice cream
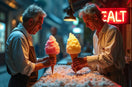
[[73, 46]]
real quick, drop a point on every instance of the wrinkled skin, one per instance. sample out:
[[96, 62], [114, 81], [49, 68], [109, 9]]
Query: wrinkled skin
[[79, 63]]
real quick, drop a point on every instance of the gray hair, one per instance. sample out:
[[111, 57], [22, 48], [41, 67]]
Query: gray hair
[[32, 11], [90, 9]]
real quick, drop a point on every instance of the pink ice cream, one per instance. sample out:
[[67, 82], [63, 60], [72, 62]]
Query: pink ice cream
[[52, 46]]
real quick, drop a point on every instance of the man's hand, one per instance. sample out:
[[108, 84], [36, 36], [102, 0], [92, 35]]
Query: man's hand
[[49, 61], [45, 62], [79, 63]]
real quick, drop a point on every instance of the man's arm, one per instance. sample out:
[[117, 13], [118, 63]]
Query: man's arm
[[109, 53]]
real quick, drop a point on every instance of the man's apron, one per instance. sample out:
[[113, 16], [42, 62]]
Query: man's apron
[[20, 80], [33, 77]]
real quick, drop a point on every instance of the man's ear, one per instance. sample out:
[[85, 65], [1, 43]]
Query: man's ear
[[30, 21]]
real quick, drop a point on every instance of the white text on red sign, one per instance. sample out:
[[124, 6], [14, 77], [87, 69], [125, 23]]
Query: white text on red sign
[[115, 15]]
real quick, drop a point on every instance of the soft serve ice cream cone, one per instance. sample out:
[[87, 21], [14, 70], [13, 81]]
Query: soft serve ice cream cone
[[73, 46], [52, 48]]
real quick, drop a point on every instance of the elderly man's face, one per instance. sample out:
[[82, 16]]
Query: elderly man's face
[[37, 24], [90, 22]]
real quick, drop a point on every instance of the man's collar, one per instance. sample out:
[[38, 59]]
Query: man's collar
[[104, 28], [22, 28]]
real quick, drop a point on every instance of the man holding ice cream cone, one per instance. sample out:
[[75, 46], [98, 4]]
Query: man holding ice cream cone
[[73, 48], [108, 50], [20, 58]]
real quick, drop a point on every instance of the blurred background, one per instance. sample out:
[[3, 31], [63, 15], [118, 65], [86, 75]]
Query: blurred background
[[11, 14]]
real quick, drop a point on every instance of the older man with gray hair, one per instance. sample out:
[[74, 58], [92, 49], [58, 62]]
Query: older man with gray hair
[[21, 60], [108, 51]]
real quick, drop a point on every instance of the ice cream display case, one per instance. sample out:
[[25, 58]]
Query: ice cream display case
[[64, 76]]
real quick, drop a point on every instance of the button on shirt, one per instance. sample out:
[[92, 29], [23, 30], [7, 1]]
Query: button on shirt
[[108, 48], [17, 52]]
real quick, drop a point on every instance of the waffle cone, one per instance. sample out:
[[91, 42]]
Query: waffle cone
[[52, 67], [73, 56], [52, 55]]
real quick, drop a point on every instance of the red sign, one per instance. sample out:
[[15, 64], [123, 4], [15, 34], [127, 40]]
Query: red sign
[[115, 15]]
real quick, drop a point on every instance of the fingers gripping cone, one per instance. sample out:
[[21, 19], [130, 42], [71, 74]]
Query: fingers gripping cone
[[52, 56], [72, 57]]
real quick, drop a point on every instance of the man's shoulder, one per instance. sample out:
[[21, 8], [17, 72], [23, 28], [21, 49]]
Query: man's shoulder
[[112, 28], [18, 31], [15, 35]]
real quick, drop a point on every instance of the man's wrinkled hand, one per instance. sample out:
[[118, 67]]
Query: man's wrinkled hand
[[79, 63], [49, 61]]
